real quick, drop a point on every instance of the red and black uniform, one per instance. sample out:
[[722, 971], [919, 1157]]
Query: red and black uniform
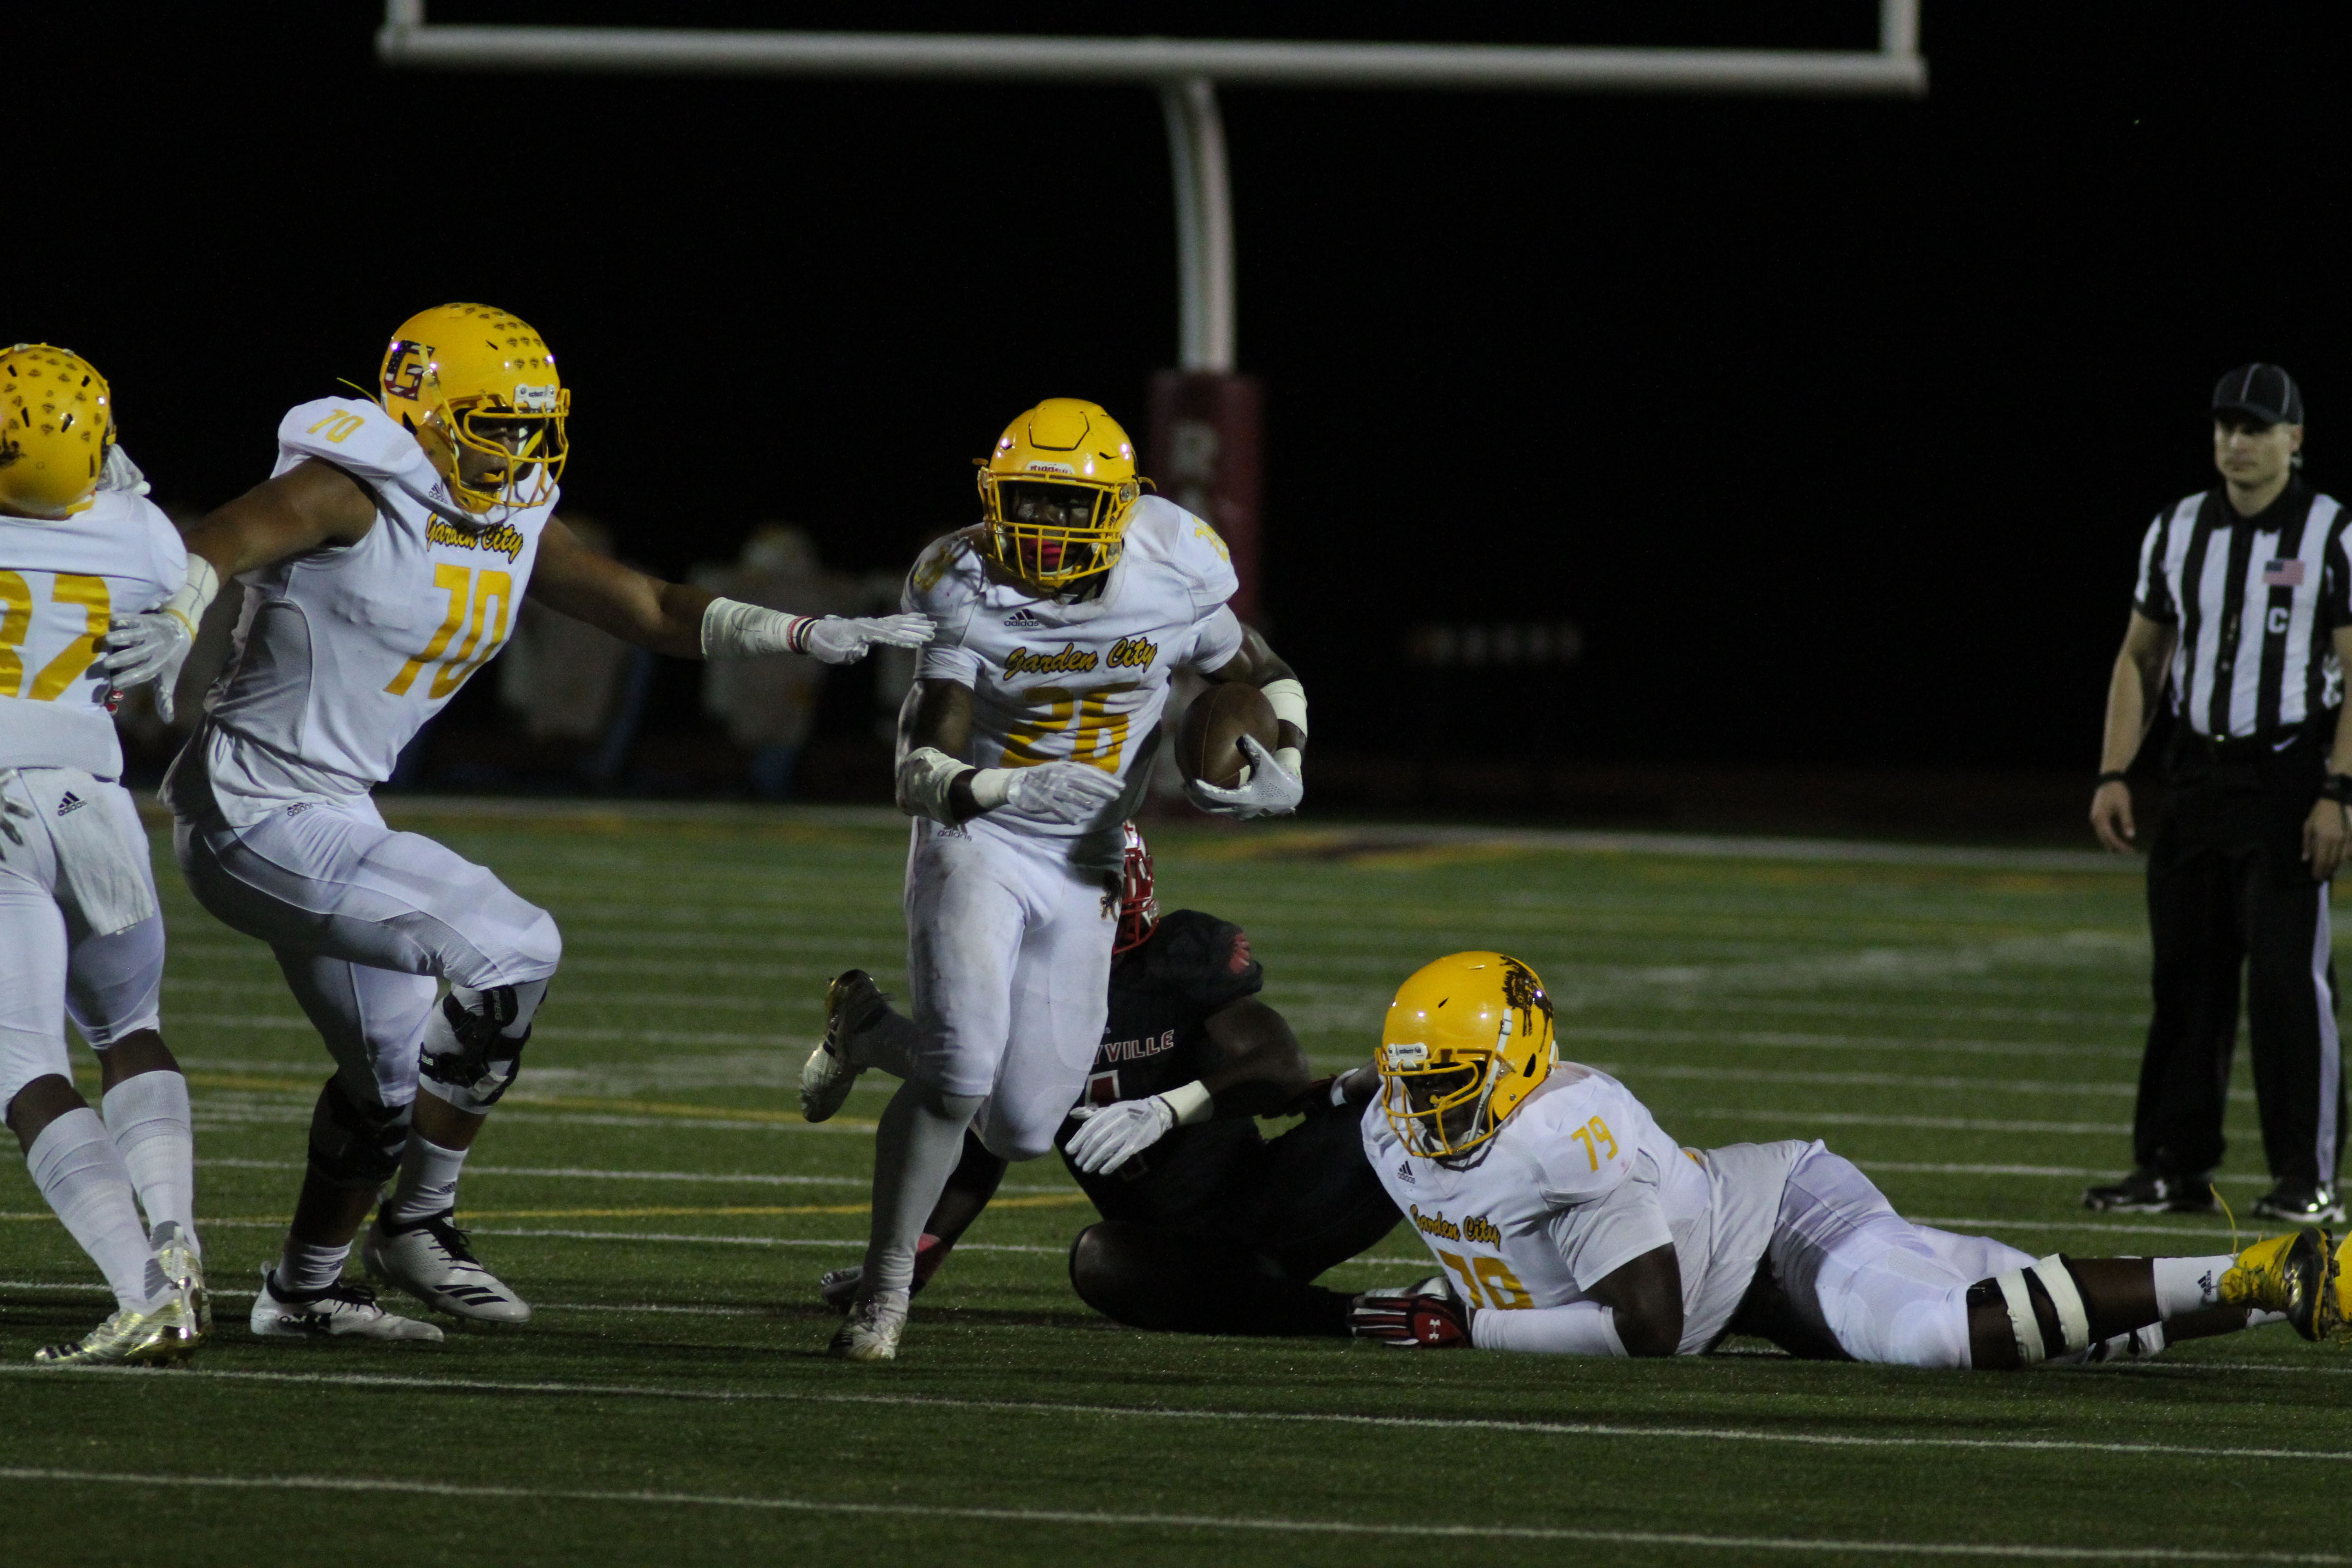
[[1214, 1228]]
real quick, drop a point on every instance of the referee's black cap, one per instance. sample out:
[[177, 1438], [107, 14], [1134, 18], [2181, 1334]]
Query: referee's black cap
[[2262, 391]]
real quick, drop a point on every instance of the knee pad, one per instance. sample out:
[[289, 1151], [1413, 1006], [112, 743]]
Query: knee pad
[[114, 983], [356, 1144], [2044, 1307], [468, 1057]]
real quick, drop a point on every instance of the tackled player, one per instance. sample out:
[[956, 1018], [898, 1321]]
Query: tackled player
[[1566, 1221], [1026, 739], [381, 563]]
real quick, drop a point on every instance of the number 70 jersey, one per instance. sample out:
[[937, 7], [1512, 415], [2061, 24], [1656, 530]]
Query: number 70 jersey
[[343, 653]]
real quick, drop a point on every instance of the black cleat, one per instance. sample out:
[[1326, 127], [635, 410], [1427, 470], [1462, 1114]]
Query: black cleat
[[2145, 1191], [2300, 1203]]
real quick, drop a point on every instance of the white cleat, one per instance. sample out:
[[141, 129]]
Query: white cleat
[[339, 1311], [851, 999], [175, 1253], [873, 1329], [429, 1259]]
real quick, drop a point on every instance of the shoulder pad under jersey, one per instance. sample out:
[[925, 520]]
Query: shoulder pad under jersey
[[1201, 959], [1578, 1133], [946, 577], [358, 437], [1162, 530]]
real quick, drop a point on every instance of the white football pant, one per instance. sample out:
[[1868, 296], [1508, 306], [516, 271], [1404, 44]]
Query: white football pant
[[363, 922], [1009, 966], [1886, 1289], [53, 964]]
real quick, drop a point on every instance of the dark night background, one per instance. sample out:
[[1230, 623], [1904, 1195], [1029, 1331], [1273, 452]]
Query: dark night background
[[1833, 423]]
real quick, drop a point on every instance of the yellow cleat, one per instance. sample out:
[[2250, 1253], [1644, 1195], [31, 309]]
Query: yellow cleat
[[2297, 1274], [159, 1338]]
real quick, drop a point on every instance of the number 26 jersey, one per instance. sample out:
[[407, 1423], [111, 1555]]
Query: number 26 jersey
[[343, 653]]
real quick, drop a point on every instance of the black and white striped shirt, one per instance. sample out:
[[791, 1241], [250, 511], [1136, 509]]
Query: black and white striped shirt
[[2257, 600]]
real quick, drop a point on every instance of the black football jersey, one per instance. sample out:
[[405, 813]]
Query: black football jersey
[[1155, 1039]]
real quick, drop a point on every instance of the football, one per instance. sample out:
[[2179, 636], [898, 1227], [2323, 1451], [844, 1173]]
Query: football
[[1208, 742]]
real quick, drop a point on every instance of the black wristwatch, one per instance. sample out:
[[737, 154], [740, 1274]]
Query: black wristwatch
[[2337, 788], [2119, 776]]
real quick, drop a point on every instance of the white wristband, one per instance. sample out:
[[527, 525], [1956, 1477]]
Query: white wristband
[[925, 774], [1191, 1103], [1287, 698], [733, 629], [991, 787], [194, 594]]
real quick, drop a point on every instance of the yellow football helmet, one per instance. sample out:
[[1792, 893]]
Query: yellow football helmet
[[1467, 1039], [474, 378], [1056, 491], [57, 421]]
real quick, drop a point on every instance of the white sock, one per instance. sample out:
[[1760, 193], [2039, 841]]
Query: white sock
[[81, 1173], [887, 1043], [428, 1181], [915, 1151], [148, 1116], [305, 1268], [2188, 1284]]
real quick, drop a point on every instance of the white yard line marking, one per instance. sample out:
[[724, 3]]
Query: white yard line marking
[[2036, 1087], [1238, 1522], [567, 1172], [1930, 1168], [1940, 1123], [1782, 1039], [1057, 1408], [1994, 1226]]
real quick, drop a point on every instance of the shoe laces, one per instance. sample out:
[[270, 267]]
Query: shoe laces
[[443, 1228]]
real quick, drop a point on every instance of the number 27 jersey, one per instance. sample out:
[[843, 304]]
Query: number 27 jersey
[[343, 653], [1059, 681]]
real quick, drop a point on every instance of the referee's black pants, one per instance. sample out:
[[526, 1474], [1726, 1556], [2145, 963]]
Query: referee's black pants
[[2229, 892]]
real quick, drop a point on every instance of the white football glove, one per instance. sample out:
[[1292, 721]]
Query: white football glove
[[1068, 794], [1270, 790], [1111, 1135], [838, 640], [154, 644]]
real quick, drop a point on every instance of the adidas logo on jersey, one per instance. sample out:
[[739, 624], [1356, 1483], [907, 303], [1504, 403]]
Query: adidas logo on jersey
[[1022, 620], [69, 804]]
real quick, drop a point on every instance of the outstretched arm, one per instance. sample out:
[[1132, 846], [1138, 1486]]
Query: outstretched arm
[[693, 623], [310, 505]]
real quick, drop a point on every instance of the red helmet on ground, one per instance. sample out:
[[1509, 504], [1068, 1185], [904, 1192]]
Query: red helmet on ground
[[1139, 908]]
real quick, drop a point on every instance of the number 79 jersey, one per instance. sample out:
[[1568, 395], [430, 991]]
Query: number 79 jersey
[[343, 653], [1054, 681], [60, 580], [1580, 1181]]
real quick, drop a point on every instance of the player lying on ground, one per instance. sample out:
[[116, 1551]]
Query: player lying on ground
[[382, 566], [1567, 1222], [1207, 1227], [1027, 738], [80, 931]]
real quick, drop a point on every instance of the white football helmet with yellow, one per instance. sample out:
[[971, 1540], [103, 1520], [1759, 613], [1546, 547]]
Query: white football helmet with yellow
[[1056, 491], [1466, 1041], [478, 387]]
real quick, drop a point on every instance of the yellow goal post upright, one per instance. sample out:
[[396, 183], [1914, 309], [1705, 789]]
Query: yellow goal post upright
[[1203, 441]]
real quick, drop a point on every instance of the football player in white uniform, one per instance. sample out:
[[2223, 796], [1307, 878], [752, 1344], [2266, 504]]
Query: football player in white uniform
[[80, 933], [1026, 741], [1566, 1221], [381, 564]]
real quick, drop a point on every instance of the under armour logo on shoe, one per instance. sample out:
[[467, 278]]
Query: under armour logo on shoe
[[1022, 620], [70, 803]]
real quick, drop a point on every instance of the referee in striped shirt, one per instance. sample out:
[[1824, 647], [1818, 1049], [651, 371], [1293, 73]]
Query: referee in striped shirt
[[2245, 600]]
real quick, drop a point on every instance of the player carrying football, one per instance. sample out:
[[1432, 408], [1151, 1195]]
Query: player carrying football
[[1566, 1221], [1208, 1227], [381, 563], [1026, 741], [80, 933]]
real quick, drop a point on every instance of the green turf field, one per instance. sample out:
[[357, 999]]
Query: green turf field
[[1967, 1031]]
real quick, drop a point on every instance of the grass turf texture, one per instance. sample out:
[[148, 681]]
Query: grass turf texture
[[1968, 1033]]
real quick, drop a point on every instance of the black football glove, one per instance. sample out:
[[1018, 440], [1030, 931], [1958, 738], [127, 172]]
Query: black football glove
[[1415, 1319]]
